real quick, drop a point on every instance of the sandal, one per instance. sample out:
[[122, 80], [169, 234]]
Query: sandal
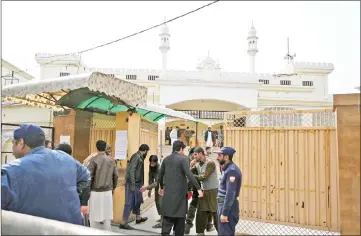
[[142, 219], [157, 226]]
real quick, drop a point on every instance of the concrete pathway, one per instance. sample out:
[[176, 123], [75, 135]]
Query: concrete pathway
[[153, 216]]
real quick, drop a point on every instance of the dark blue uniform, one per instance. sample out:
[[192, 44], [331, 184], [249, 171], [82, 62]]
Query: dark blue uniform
[[228, 192]]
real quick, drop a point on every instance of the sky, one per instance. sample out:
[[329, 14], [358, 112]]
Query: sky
[[318, 31]]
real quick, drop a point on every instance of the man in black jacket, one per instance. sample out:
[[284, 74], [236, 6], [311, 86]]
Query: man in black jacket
[[174, 172], [134, 178]]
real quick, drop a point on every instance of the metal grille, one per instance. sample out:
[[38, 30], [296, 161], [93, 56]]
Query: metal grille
[[214, 115], [247, 227], [150, 126], [7, 131], [280, 117], [103, 123]]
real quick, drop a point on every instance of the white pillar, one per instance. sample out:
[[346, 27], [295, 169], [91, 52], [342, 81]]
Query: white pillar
[[164, 61], [325, 81], [252, 64], [161, 137]]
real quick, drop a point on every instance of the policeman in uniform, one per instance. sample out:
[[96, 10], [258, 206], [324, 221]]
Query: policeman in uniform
[[228, 192]]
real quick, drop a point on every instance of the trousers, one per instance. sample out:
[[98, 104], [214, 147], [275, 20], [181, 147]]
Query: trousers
[[202, 220], [177, 223], [229, 228], [133, 200], [192, 213], [105, 226], [158, 200]]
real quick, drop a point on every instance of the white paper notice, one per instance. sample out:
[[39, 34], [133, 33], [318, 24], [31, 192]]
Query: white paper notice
[[121, 144], [65, 139]]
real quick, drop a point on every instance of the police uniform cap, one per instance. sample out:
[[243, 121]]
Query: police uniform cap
[[28, 131], [229, 151]]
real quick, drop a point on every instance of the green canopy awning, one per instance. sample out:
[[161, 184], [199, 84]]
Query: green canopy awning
[[84, 99]]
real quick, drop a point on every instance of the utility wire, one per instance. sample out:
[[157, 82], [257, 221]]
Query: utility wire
[[120, 39]]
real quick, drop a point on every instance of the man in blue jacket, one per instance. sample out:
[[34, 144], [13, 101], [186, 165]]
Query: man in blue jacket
[[43, 182], [228, 192]]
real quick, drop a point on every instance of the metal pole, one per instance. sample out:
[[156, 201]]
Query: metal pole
[[197, 133], [13, 223], [161, 146]]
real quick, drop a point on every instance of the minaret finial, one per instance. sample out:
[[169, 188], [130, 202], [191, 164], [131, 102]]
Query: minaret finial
[[252, 23], [208, 53], [288, 56]]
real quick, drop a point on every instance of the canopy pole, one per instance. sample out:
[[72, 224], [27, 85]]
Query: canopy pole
[[197, 133]]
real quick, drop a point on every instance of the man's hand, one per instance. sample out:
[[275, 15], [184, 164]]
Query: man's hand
[[224, 219], [161, 192], [150, 193], [143, 188], [193, 162], [84, 210], [200, 193]]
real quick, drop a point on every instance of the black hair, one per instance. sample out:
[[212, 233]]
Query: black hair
[[153, 158], [33, 140], [46, 142], [187, 127], [191, 151], [144, 148], [199, 150], [230, 157], [178, 145], [65, 148], [208, 148], [101, 145]]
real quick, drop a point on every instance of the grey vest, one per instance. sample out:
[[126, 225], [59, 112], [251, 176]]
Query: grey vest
[[212, 181]]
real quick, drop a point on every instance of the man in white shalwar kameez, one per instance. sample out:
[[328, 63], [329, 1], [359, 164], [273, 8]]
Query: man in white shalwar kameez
[[174, 135], [208, 138], [104, 178]]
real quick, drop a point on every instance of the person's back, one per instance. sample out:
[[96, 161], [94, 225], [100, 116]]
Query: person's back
[[104, 170], [172, 177], [45, 185], [104, 179], [41, 182]]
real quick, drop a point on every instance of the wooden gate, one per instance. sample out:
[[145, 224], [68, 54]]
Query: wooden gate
[[289, 164], [102, 128]]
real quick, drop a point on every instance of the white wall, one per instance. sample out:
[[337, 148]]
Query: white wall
[[169, 94], [17, 114], [296, 91], [174, 94]]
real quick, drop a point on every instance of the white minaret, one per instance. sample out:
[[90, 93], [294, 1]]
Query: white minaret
[[164, 45], [252, 48]]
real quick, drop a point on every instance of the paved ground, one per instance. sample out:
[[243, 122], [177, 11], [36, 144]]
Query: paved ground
[[153, 216]]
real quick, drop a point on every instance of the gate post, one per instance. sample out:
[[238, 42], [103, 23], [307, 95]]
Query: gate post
[[348, 138], [131, 123]]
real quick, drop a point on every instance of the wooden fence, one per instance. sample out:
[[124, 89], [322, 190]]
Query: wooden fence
[[289, 164]]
